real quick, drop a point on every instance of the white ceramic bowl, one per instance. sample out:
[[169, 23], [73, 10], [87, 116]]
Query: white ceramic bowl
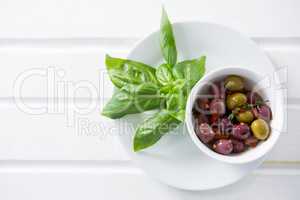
[[265, 86]]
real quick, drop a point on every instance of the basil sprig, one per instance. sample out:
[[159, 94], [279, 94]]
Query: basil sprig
[[124, 71], [132, 99], [151, 130], [167, 40], [164, 74], [191, 70], [142, 87]]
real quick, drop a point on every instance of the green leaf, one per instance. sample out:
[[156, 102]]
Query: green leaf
[[166, 89], [164, 74], [132, 99], [190, 70], [180, 115], [172, 101], [232, 117], [167, 40], [151, 130], [176, 102], [124, 71]]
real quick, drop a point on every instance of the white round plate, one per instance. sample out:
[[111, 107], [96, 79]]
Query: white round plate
[[175, 160]]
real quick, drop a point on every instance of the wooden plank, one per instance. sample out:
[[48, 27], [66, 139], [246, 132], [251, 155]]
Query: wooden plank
[[100, 18], [83, 60], [124, 182], [57, 136], [86, 135]]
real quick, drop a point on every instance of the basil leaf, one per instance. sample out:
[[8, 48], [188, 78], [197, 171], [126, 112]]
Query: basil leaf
[[180, 115], [164, 74], [120, 104], [190, 70], [151, 130], [176, 102], [166, 89], [172, 102], [124, 71], [132, 99], [147, 97], [167, 41]]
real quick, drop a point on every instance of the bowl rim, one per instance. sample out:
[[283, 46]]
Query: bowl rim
[[239, 158]]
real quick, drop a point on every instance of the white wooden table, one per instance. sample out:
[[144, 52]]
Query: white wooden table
[[50, 151]]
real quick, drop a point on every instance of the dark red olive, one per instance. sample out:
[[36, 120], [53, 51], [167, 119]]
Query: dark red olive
[[251, 141], [241, 131], [223, 126], [217, 106], [220, 135], [263, 112], [226, 125], [205, 133], [200, 119], [214, 118], [223, 146], [238, 146], [218, 90], [253, 97], [202, 105]]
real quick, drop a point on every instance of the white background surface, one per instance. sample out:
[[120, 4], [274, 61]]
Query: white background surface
[[41, 157]]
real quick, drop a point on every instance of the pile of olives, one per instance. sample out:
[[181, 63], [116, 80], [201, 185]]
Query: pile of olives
[[231, 118]]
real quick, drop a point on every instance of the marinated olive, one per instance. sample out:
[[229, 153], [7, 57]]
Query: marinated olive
[[218, 90], [241, 131], [202, 105], [233, 118], [200, 119], [253, 97], [263, 112], [223, 146], [260, 129], [238, 146], [234, 83], [213, 118], [222, 128], [246, 116], [251, 141], [235, 100], [217, 106], [205, 133], [226, 126], [220, 135]]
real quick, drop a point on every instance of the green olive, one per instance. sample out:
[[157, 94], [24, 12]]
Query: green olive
[[260, 129], [234, 83], [235, 100], [245, 117]]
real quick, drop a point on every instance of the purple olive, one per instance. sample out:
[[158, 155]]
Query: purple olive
[[223, 126], [202, 105], [263, 112], [226, 125], [205, 133], [241, 131], [251, 141], [217, 106], [218, 90], [238, 146], [223, 146], [200, 119], [253, 97], [214, 118]]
